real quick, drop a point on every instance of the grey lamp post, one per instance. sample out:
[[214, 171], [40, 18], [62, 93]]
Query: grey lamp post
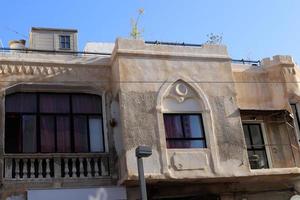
[[142, 152]]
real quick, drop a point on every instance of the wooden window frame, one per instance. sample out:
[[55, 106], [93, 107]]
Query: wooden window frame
[[71, 116]]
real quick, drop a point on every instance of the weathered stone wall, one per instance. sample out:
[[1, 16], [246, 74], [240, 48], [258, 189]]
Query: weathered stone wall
[[145, 70]]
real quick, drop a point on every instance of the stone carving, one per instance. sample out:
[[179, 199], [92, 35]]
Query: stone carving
[[181, 91], [18, 69]]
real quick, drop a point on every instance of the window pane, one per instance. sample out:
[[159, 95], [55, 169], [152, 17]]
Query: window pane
[[96, 135], [29, 133], [80, 134], [192, 126], [62, 39], [263, 162], [67, 45], [47, 127], [86, 104], [54, 103], [247, 136], [256, 135], [63, 134], [21, 102], [258, 159], [13, 138], [186, 144], [173, 126]]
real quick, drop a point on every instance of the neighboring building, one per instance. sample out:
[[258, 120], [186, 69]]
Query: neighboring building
[[53, 39], [218, 129]]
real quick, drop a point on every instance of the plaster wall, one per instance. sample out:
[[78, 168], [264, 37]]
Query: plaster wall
[[146, 72]]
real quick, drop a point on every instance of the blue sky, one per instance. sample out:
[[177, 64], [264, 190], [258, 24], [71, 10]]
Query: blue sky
[[251, 28]]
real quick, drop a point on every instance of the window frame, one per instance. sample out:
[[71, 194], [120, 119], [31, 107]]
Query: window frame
[[265, 140], [63, 47], [69, 114], [296, 119], [200, 115]]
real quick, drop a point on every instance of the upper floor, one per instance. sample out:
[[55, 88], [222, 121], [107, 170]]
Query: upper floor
[[72, 117]]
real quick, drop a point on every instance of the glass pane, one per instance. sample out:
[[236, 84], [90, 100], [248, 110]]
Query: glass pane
[[13, 137], [173, 126], [67, 45], [256, 135], [62, 39], [262, 159], [86, 104], [186, 144], [63, 134], [80, 134], [29, 133], [21, 102], [247, 137], [54, 103], [192, 126], [47, 127], [96, 135]]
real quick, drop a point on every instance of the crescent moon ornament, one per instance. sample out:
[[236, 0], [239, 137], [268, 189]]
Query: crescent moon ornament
[[181, 89]]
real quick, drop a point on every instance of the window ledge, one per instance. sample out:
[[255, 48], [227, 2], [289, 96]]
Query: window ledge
[[274, 171]]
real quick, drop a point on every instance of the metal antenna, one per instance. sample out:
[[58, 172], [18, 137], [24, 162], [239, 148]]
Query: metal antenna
[[16, 32]]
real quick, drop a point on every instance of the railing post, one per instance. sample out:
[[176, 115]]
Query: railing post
[[8, 168], [57, 167], [88, 167]]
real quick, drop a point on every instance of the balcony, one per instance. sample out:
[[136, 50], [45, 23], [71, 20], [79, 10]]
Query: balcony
[[32, 167]]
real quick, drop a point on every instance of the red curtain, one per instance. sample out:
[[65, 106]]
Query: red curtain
[[47, 134], [54, 103], [80, 134], [86, 104], [63, 134]]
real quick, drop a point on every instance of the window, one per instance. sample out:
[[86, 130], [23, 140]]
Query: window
[[53, 122], [296, 118], [184, 131], [64, 42], [255, 146]]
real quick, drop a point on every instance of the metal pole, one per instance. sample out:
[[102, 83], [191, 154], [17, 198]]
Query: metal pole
[[142, 181]]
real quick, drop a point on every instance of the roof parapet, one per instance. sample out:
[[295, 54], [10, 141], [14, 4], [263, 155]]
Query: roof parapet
[[278, 60]]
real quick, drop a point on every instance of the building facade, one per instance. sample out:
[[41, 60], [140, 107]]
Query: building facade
[[218, 129]]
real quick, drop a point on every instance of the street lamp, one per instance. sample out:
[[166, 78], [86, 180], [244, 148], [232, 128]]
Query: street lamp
[[142, 152]]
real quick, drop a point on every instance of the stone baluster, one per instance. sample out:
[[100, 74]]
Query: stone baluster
[[57, 167], [81, 170], [32, 171], [73, 167], [66, 170], [17, 170], [104, 167], [97, 170], [8, 168], [25, 168], [48, 168], [40, 168], [88, 167]]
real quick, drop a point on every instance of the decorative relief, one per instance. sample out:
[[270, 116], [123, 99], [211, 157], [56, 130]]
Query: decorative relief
[[10, 69], [181, 92]]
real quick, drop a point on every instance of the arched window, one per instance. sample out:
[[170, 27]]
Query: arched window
[[182, 114], [53, 122]]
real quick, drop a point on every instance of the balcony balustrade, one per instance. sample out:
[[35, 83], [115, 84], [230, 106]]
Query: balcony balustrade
[[51, 166]]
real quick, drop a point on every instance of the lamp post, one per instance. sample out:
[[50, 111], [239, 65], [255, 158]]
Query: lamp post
[[142, 152]]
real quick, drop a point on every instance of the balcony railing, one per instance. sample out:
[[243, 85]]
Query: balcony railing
[[49, 166]]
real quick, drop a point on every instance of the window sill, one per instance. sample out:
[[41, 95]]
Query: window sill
[[274, 171]]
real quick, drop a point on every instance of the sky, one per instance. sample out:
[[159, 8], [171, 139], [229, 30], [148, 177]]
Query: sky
[[251, 29]]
